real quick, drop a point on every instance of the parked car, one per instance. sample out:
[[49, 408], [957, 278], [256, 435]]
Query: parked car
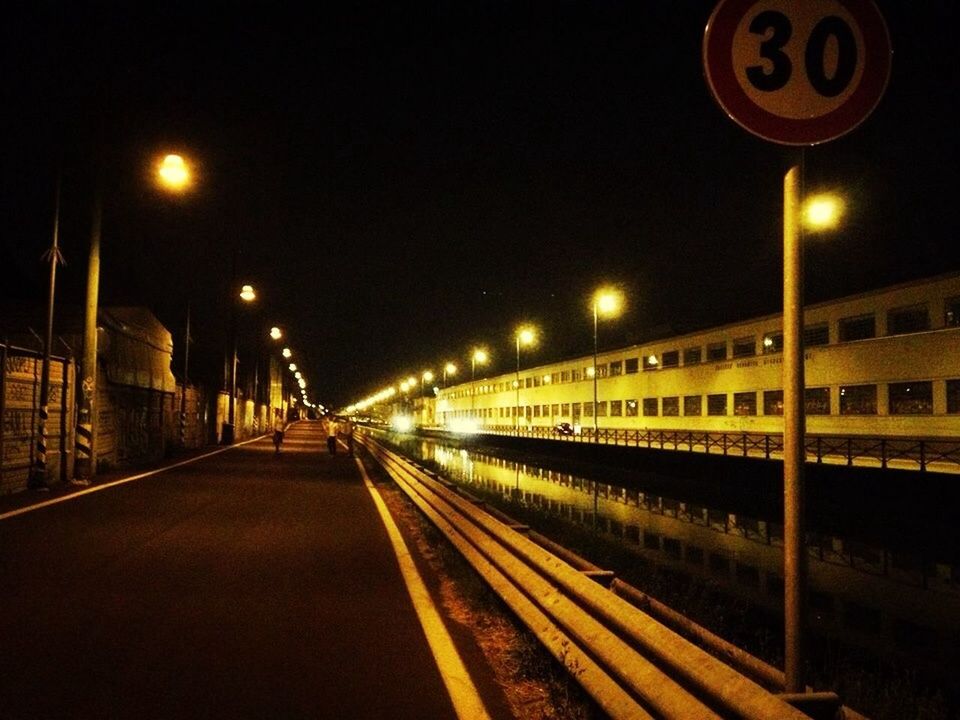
[[563, 428]]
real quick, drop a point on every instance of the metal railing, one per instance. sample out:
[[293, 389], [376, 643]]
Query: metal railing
[[911, 453], [633, 663]]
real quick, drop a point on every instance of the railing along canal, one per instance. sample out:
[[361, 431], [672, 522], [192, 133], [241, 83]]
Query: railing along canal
[[942, 455]]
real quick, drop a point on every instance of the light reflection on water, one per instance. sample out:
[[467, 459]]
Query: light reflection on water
[[895, 603]]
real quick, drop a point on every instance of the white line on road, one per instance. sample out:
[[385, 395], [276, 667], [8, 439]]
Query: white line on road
[[121, 481], [463, 693]]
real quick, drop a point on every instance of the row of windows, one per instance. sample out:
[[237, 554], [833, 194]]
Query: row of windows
[[906, 398], [915, 318]]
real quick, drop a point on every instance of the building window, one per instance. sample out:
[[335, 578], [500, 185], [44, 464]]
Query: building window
[[670, 358], [671, 406], [616, 368], [536, 381], [602, 370], [575, 411], [692, 405], [908, 320], [536, 411], [773, 402], [602, 408], [631, 410], [953, 396], [744, 347], [817, 401], [555, 409], [773, 343], [951, 315], [528, 382], [716, 351], [576, 376], [616, 408], [911, 398], [650, 362], [818, 334], [565, 376], [745, 403], [565, 409], [717, 404], [692, 356], [588, 409], [649, 407], [861, 327], [631, 365], [858, 400]]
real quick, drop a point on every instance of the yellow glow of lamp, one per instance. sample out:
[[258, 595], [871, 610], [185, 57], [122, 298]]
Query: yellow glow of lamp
[[822, 212], [276, 333], [608, 302], [293, 367], [428, 376], [247, 294], [286, 353], [174, 173], [526, 336]]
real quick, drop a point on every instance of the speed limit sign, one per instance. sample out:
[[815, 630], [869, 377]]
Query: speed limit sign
[[797, 73]]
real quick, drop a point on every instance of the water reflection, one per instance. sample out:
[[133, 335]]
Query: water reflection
[[895, 602]]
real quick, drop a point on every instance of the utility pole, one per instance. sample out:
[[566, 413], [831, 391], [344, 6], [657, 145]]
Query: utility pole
[[86, 416]]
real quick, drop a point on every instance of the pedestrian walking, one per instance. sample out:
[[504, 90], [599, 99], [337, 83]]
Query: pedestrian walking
[[277, 439], [347, 431], [332, 434]]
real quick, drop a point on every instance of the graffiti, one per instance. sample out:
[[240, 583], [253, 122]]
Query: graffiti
[[20, 365], [17, 423], [20, 391]]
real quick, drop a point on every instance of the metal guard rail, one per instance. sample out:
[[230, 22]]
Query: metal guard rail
[[633, 665], [919, 453]]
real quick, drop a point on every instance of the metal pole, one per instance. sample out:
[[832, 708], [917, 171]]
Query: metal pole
[[516, 419], [86, 461], [183, 389], [3, 402], [794, 555], [596, 423], [38, 480]]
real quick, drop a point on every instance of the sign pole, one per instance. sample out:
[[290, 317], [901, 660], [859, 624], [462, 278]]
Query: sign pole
[[794, 552]]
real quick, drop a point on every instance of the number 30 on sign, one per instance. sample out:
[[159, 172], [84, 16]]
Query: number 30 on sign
[[797, 73]]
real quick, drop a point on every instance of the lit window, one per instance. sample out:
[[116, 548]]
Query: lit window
[[773, 402], [773, 342], [745, 403], [631, 409]]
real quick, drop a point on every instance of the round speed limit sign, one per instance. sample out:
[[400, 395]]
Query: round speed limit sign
[[797, 73]]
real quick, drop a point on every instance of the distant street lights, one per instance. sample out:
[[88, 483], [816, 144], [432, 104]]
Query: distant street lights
[[448, 369], [525, 335], [606, 303], [228, 431], [478, 356]]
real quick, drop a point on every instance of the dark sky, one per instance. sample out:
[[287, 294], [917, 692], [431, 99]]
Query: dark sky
[[403, 180]]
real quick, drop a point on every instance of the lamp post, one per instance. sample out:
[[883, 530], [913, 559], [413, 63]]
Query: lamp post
[[448, 369], [606, 302], [479, 355], [228, 434], [174, 175], [524, 336]]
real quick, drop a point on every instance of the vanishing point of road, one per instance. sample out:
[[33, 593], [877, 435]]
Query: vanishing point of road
[[242, 584]]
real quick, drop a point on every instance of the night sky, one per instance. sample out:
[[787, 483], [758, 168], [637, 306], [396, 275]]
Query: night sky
[[401, 181]]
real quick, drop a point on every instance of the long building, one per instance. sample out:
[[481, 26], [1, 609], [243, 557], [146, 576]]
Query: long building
[[883, 364]]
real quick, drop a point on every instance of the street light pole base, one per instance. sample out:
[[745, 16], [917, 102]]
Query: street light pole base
[[226, 434]]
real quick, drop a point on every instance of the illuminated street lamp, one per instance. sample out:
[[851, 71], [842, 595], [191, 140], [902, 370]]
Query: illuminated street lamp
[[817, 212], [276, 333], [227, 436], [174, 174], [448, 369], [478, 356], [525, 335], [286, 353], [426, 377], [607, 302]]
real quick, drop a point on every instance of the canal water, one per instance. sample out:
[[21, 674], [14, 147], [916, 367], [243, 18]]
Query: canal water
[[884, 616]]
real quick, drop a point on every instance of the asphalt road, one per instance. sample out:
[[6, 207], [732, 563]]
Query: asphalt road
[[244, 585]]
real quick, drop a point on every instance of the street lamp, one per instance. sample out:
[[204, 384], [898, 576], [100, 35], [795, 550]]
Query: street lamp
[[479, 355], [525, 335], [227, 437], [818, 212], [448, 369], [607, 302]]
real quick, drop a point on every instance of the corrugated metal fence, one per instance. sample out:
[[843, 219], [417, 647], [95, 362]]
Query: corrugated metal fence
[[19, 403]]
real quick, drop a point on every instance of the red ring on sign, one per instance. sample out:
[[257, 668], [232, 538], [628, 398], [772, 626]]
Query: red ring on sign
[[722, 78]]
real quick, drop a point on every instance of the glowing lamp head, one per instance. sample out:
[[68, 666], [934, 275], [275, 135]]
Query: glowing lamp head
[[173, 173], [480, 356], [276, 333], [450, 369], [526, 336], [286, 353], [428, 376], [247, 293], [608, 302], [822, 212]]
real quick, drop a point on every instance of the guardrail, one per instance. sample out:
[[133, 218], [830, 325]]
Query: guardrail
[[935, 454], [636, 663]]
